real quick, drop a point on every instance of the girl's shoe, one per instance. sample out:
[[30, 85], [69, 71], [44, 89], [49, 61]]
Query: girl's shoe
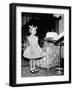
[[32, 71], [36, 70]]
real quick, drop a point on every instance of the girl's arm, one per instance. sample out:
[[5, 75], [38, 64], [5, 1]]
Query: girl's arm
[[26, 43]]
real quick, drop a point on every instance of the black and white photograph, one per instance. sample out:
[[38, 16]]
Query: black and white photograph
[[40, 39], [42, 45]]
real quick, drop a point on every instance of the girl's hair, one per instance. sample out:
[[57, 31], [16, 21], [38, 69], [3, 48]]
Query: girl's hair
[[31, 27], [25, 28]]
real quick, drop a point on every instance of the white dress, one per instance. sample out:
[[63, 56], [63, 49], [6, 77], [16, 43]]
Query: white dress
[[33, 51]]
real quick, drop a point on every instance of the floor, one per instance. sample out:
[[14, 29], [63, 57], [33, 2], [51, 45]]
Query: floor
[[25, 71], [42, 72]]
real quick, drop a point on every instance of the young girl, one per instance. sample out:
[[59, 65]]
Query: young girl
[[33, 51]]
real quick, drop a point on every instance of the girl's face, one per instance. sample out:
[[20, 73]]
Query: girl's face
[[33, 30]]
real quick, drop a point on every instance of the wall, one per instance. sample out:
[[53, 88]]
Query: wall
[[4, 45], [61, 25]]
